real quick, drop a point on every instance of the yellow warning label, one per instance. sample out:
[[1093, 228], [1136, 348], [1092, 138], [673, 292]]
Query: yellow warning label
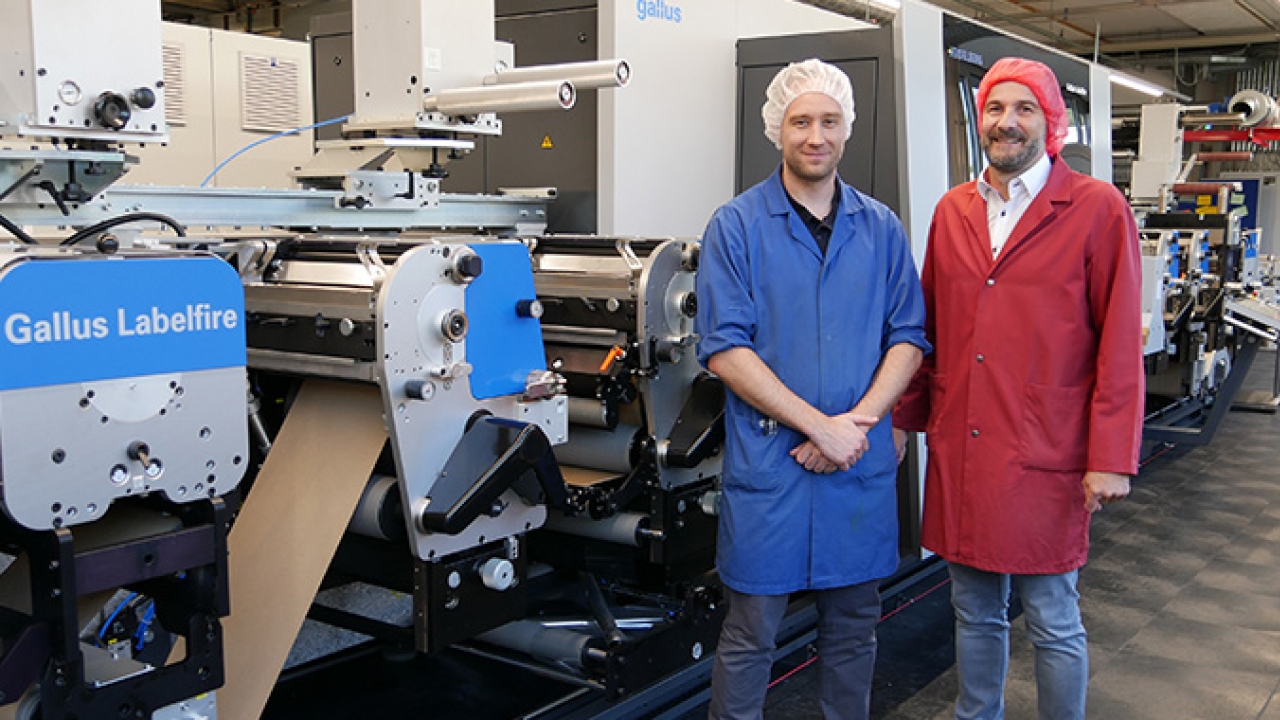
[[546, 142]]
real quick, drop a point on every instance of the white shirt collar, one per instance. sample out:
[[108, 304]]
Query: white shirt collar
[[1032, 181]]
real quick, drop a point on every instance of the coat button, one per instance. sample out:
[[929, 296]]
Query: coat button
[[991, 281], [980, 358], [974, 433]]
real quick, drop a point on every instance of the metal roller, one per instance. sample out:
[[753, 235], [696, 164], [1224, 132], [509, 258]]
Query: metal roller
[[1203, 188], [584, 75], [600, 449], [1198, 119], [1225, 156], [622, 529], [592, 413], [379, 513], [551, 644], [548, 95], [1259, 109]]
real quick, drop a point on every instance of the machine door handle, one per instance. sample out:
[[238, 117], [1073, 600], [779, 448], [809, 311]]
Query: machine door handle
[[493, 455], [698, 432]]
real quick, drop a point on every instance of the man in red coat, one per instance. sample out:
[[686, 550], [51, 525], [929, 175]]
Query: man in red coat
[[1032, 400]]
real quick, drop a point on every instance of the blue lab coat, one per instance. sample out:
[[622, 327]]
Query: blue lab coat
[[822, 325]]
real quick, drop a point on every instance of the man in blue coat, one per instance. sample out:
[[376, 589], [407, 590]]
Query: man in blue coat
[[810, 311]]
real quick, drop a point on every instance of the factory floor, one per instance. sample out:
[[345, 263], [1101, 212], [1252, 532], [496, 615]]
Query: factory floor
[[1181, 599]]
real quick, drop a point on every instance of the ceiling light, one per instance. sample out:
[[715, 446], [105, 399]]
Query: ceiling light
[[1134, 83]]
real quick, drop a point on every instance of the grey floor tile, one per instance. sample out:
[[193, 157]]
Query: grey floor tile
[[1111, 621], [1265, 524], [1217, 516], [1272, 710], [1250, 577], [1226, 607], [1022, 654], [1226, 496], [1019, 698], [794, 704], [935, 701], [1209, 645], [1251, 553], [1122, 581], [1139, 687], [922, 709], [1145, 532]]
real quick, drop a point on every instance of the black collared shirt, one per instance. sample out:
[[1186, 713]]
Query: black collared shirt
[[820, 229]]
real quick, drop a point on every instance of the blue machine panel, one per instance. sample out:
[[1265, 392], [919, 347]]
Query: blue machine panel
[[93, 318], [502, 347]]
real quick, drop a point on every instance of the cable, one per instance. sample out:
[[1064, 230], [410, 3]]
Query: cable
[[121, 220], [140, 635], [106, 624], [269, 138], [16, 231], [1165, 447]]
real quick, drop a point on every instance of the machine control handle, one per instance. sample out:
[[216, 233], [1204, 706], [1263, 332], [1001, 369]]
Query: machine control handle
[[467, 267], [493, 455], [112, 111], [529, 308], [498, 574], [420, 389], [689, 304], [699, 429], [139, 451], [454, 325], [144, 97]]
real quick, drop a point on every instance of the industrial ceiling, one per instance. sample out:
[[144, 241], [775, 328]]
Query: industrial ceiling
[[1212, 35]]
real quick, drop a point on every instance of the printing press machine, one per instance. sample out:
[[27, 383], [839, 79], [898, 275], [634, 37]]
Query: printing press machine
[[123, 402], [546, 489], [122, 427], [1206, 301], [1204, 321]]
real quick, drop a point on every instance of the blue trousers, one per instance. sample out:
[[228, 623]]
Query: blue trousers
[[847, 620], [1051, 605]]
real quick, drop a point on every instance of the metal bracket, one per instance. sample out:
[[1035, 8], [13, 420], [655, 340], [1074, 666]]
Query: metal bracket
[[372, 262]]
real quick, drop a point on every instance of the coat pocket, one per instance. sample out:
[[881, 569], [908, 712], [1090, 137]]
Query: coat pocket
[[757, 453], [1055, 427], [937, 397], [881, 461]]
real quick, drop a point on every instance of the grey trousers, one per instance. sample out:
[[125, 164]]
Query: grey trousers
[[847, 620]]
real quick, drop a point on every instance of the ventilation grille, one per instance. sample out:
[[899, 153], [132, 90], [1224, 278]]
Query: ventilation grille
[[269, 93], [175, 84]]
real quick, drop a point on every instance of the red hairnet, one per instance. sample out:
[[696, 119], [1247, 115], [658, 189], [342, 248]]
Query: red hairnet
[[1043, 84]]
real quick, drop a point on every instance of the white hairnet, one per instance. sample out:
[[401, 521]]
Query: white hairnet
[[797, 79]]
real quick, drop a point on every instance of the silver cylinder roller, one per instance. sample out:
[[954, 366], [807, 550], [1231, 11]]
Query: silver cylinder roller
[[546, 95], [1259, 109], [584, 75]]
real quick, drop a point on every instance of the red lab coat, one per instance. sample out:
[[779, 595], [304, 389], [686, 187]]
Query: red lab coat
[[1036, 375]]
